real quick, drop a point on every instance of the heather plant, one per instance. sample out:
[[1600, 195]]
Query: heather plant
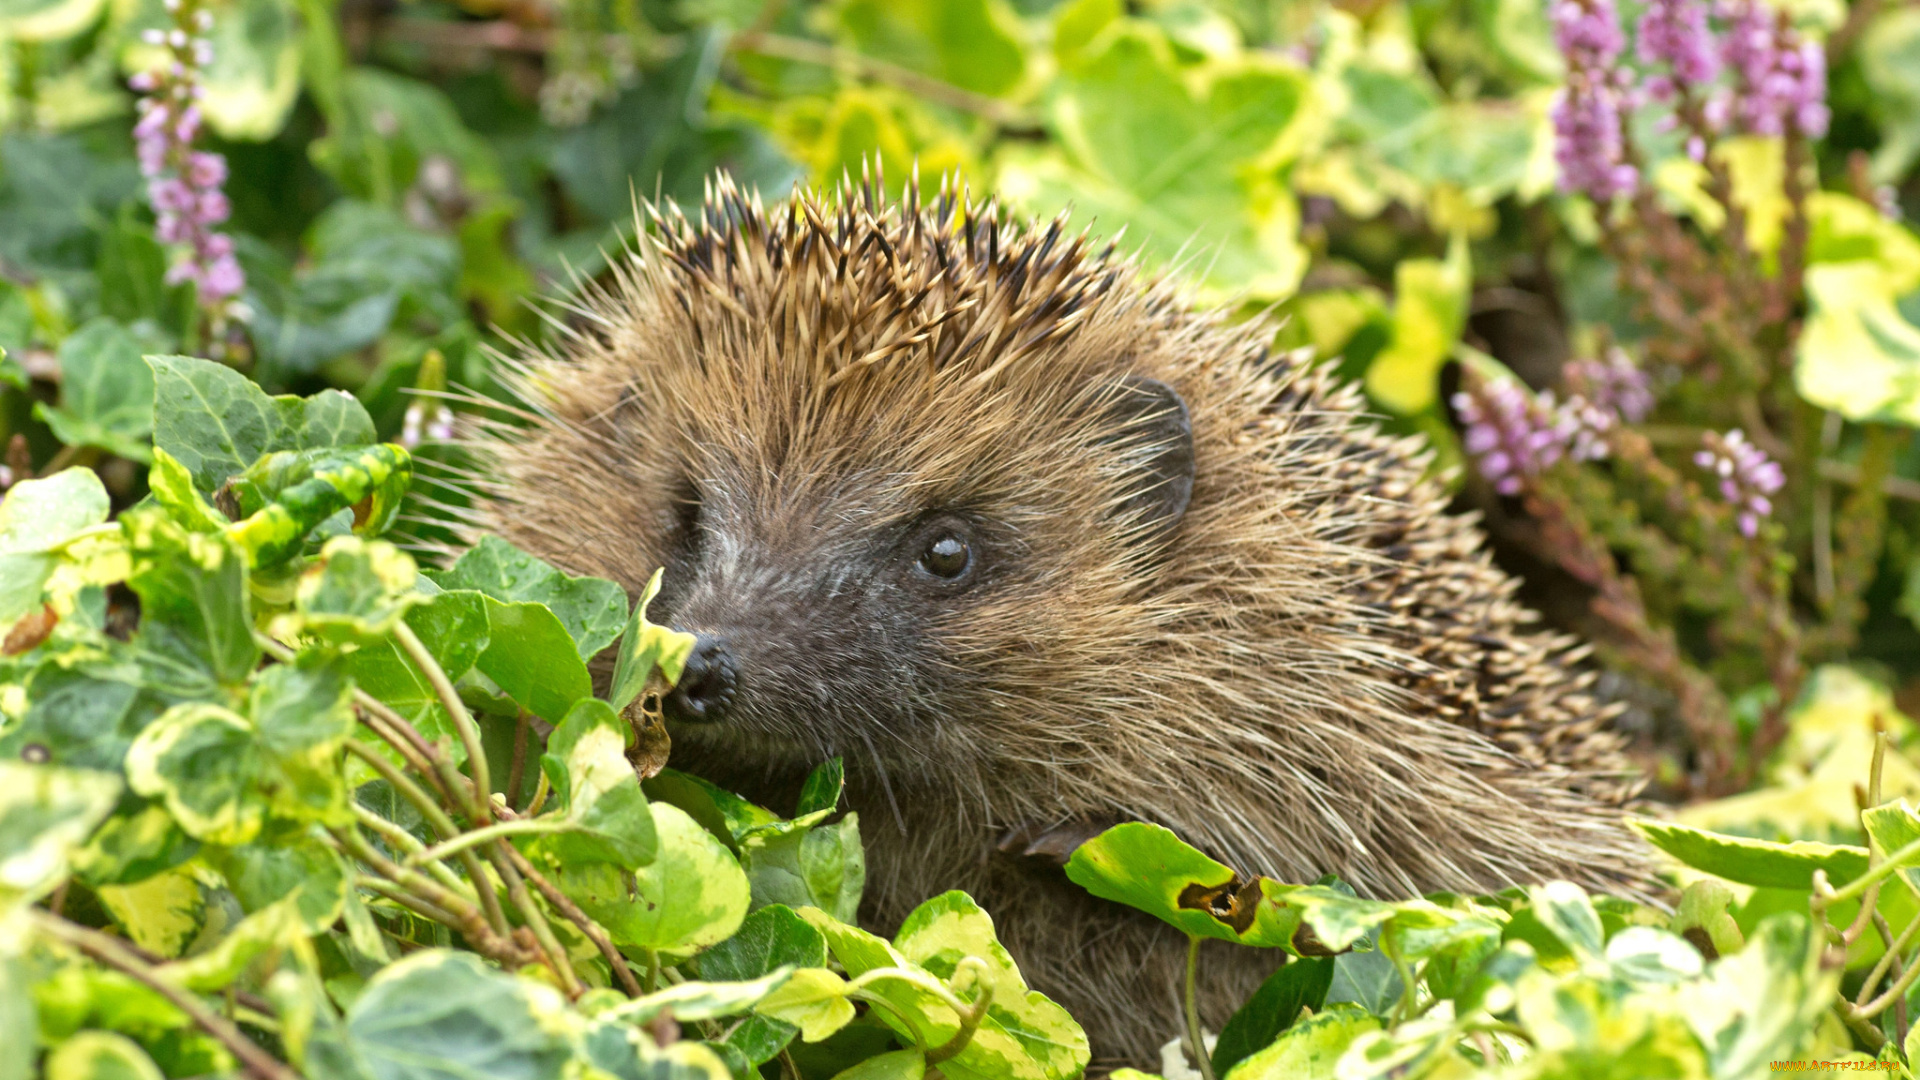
[[299, 778]]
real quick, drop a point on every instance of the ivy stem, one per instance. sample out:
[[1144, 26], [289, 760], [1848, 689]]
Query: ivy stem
[[442, 824], [110, 952], [1194, 1040], [464, 917], [397, 837], [579, 918], [468, 840], [482, 804], [1896, 992], [536, 921], [1879, 971], [1895, 862], [970, 1017]]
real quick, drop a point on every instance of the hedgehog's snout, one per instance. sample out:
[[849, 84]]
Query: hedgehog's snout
[[706, 687]]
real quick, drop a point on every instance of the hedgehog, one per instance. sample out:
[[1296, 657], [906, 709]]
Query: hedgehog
[[1039, 545]]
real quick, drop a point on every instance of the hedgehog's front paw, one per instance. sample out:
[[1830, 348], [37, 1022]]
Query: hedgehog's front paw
[[1053, 842]]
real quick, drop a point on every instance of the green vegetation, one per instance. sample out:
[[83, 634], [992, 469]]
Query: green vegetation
[[273, 798]]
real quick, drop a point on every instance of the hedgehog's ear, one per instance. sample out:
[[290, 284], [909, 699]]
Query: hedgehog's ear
[[1155, 437]]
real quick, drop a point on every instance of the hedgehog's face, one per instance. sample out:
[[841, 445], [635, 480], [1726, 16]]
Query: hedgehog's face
[[887, 602]]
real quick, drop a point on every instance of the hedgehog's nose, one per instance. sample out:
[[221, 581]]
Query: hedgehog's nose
[[706, 686]]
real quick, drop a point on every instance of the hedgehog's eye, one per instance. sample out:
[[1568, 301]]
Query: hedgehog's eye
[[948, 556]]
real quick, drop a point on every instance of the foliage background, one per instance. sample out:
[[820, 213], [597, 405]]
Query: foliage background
[[413, 184], [420, 176]]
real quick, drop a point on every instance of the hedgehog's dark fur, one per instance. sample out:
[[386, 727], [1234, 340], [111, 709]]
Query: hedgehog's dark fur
[[1316, 670]]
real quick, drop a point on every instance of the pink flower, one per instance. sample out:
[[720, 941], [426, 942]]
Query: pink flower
[[183, 183], [1747, 477]]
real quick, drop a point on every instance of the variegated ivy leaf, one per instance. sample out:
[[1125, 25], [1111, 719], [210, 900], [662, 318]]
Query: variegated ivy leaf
[[37, 517], [46, 813], [586, 763], [692, 895], [284, 496], [645, 646], [220, 773], [100, 1055], [356, 588], [813, 1000], [702, 1000], [1022, 1035]]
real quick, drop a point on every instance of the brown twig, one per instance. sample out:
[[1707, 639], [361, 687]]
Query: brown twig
[[579, 918], [109, 951]]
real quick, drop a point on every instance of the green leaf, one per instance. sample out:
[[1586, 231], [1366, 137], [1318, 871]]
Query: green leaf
[[385, 126], [367, 267], [1147, 867], [248, 89], [822, 789], [803, 863], [45, 815], [691, 1001], [36, 518], [1429, 312], [286, 495], [1367, 979], [1648, 956], [601, 793], [296, 867], [46, 20], [193, 603], [1188, 165], [1893, 826], [454, 628], [894, 1065], [1566, 912], [440, 1015], [972, 44], [202, 760], [85, 715], [1889, 54], [302, 715], [1301, 983], [533, 659], [625, 1053], [593, 610], [645, 646], [217, 422], [1754, 862], [19, 1020], [813, 1000], [106, 392], [100, 1055], [1309, 1048], [692, 895], [357, 589], [1024, 1033], [1857, 354], [770, 939]]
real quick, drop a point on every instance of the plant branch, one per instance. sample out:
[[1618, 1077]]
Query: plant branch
[[110, 952], [469, 840], [442, 825], [579, 918], [1191, 1000], [481, 805]]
